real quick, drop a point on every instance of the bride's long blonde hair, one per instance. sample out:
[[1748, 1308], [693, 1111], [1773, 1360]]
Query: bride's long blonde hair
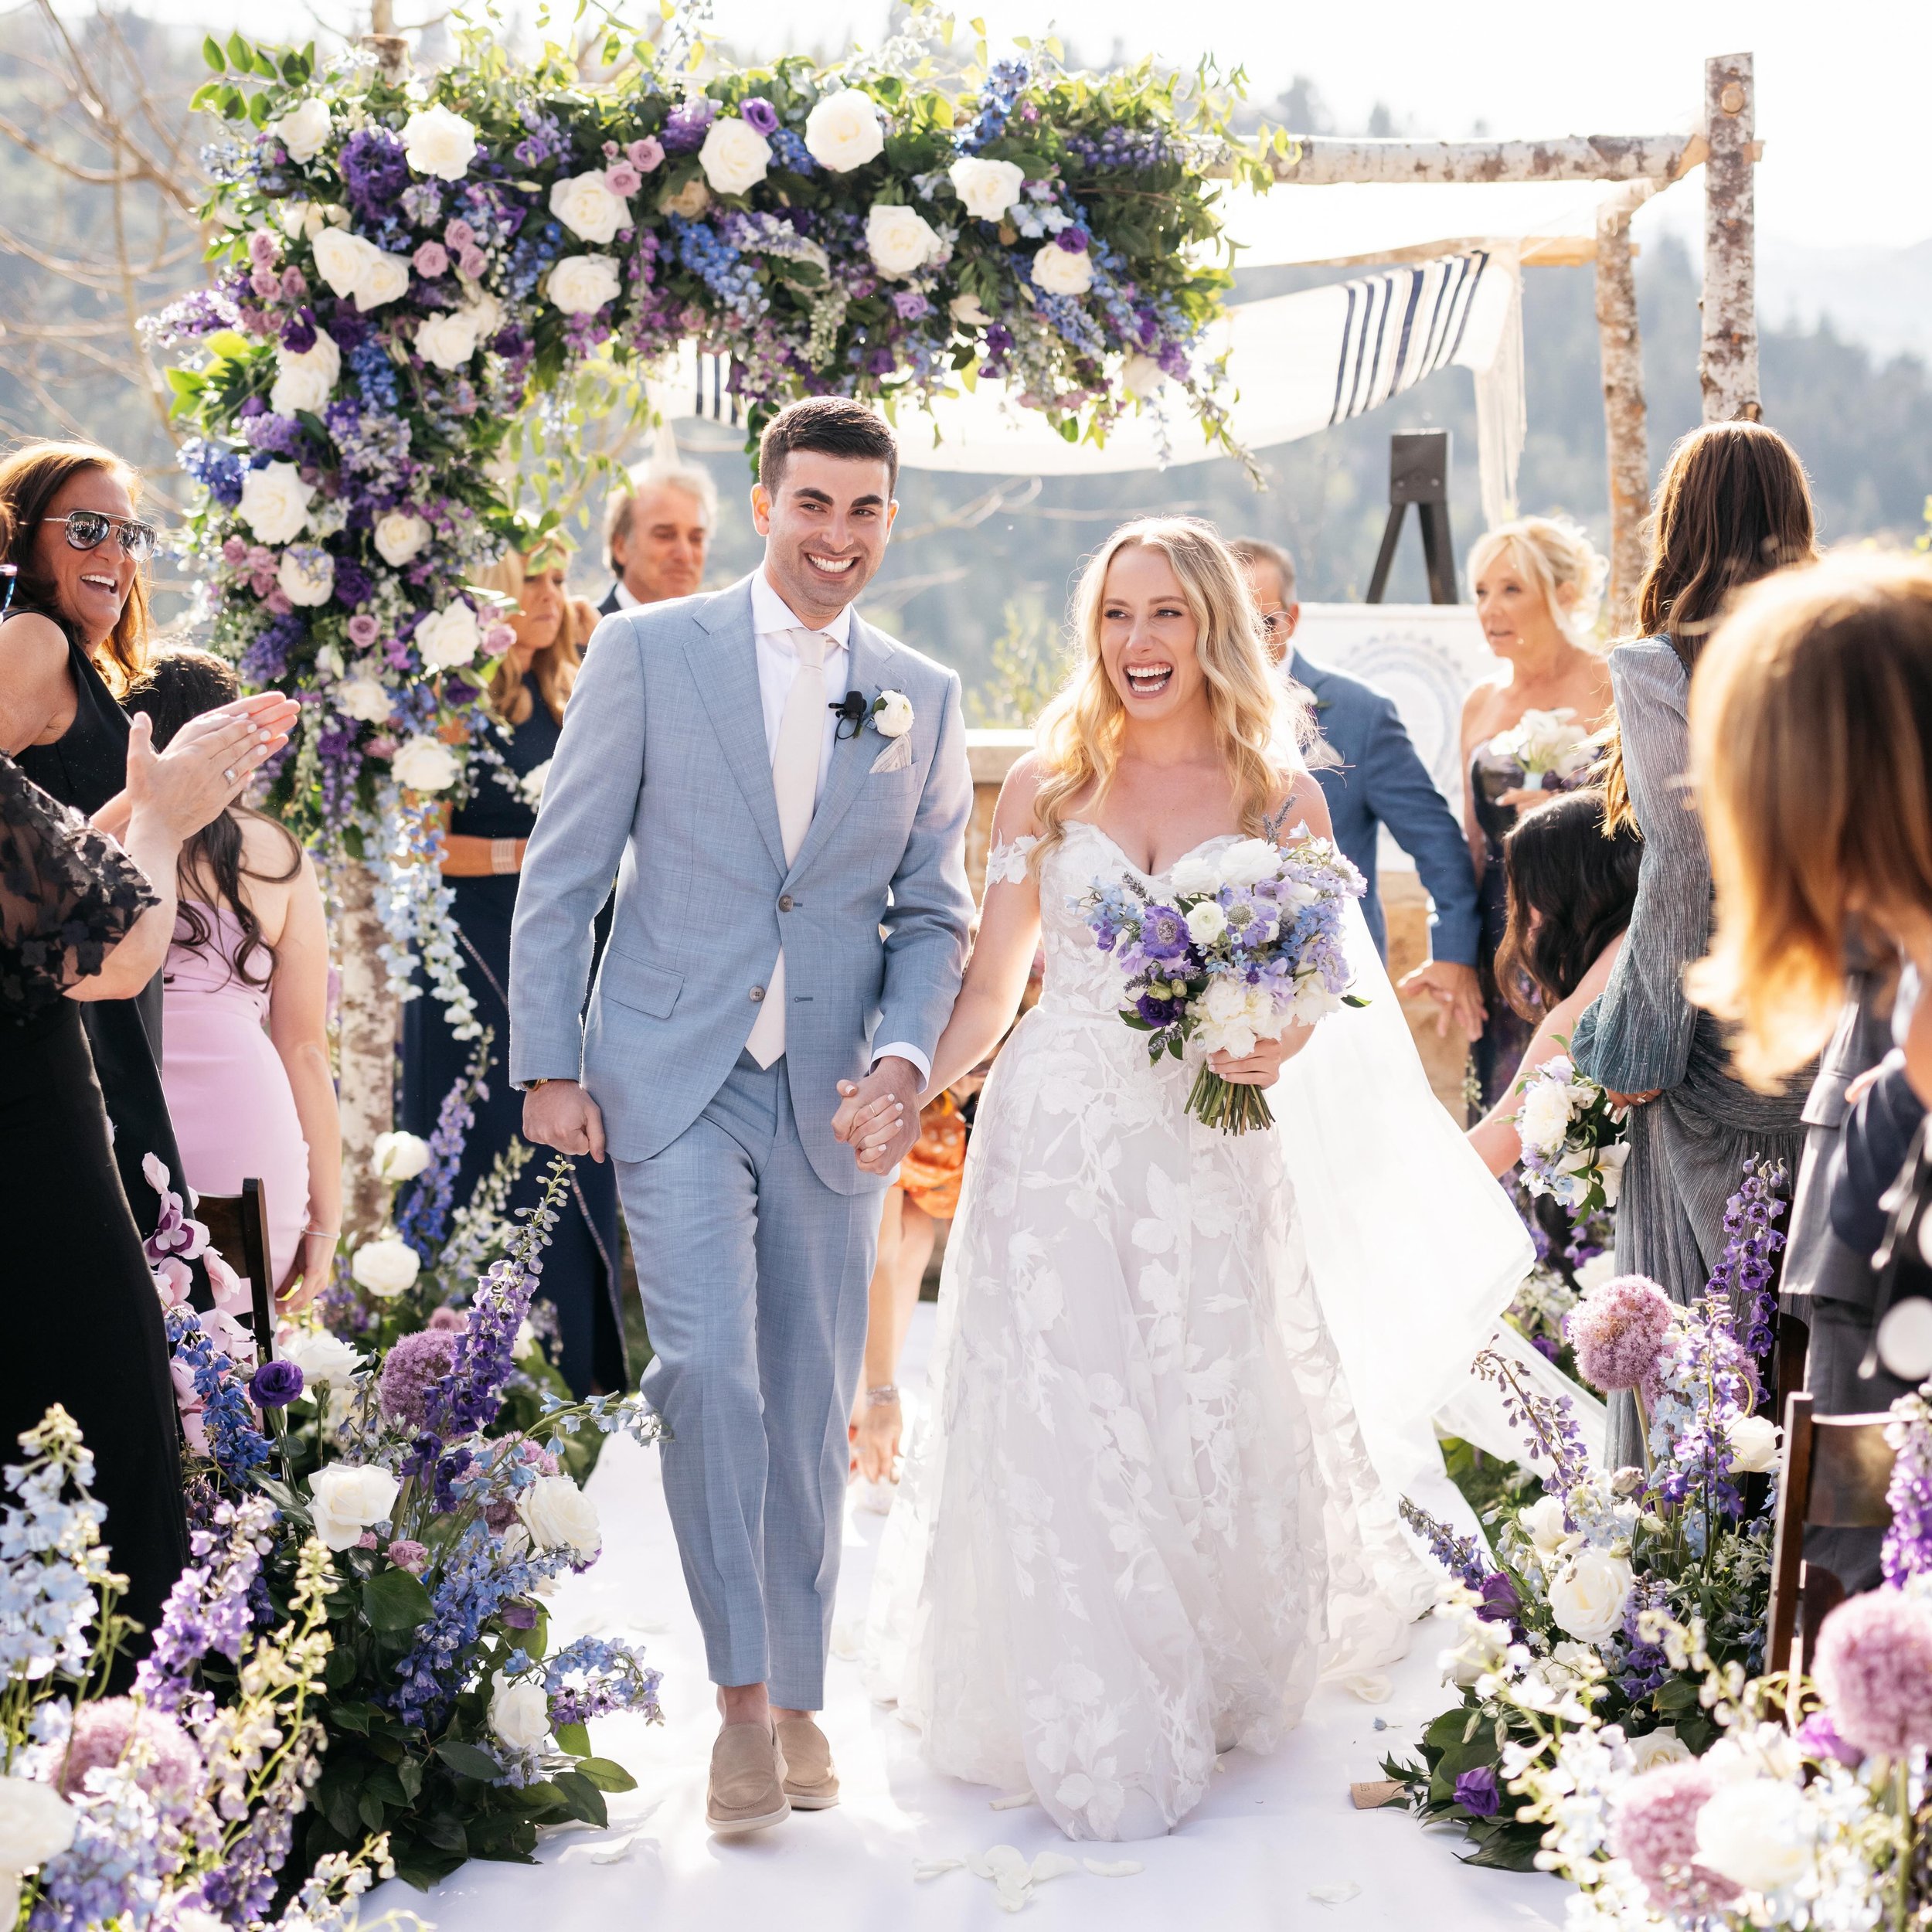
[[1261, 726]]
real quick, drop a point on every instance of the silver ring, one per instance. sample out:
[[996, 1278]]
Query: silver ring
[[228, 777]]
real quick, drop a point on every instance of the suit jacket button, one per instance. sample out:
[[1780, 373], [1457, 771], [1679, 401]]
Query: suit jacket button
[[757, 994], [784, 904]]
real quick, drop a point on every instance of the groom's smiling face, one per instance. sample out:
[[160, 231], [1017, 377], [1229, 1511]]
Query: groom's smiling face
[[824, 526]]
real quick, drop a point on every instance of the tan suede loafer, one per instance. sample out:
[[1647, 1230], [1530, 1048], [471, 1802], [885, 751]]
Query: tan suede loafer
[[747, 1781], [810, 1783]]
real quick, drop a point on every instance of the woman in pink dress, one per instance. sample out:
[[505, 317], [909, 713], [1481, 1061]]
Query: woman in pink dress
[[245, 1060]]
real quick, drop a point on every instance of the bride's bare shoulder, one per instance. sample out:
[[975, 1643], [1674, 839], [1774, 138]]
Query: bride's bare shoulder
[[1298, 800], [1015, 815]]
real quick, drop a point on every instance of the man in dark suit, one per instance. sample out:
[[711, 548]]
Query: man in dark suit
[[656, 535], [1379, 781]]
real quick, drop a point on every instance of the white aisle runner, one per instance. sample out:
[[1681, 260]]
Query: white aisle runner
[[1271, 1836]]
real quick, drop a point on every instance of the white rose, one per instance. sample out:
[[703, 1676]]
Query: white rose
[[587, 208], [1063, 272], [519, 1713], [486, 312], [439, 142], [304, 130], [448, 338], [1654, 1748], [1543, 1523], [1587, 1595], [424, 764], [386, 1265], [364, 698], [306, 574], [1758, 1833], [1233, 1016], [532, 784], [986, 189], [1753, 1444], [1195, 874], [1248, 862], [735, 156], [344, 1498], [321, 1355], [1611, 1161], [275, 502], [1480, 1646], [894, 717], [1542, 1121], [1142, 376], [966, 309], [559, 1515], [448, 638], [385, 277], [1206, 922], [399, 1157], [843, 132], [305, 382], [1596, 1271], [901, 239], [339, 259], [400, 535], [36, 1824], [581, 285]]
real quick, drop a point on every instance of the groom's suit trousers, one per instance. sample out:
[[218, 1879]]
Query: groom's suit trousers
[[753, 1275]]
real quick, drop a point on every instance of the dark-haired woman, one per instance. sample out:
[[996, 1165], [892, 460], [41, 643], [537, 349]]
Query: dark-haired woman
[[1570, 891], [245, 998], [74, 637], [1732, 506]]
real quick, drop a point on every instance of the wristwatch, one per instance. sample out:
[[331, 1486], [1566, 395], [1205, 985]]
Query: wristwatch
[[530, 1086]]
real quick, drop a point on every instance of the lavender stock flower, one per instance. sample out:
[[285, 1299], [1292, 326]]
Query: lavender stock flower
[[1743, 1273], [1907, 1551]]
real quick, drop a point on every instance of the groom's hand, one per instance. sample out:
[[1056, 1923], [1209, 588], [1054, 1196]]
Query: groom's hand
[[878, 1116], [561, 1114]]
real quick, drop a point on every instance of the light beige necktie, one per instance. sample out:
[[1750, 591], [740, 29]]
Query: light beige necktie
[[795, 777]]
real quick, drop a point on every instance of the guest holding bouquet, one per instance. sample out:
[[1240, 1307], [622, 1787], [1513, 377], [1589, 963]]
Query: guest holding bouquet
[[542, 642]]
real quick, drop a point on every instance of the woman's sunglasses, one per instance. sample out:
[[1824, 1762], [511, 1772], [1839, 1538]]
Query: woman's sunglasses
[[88, 529]]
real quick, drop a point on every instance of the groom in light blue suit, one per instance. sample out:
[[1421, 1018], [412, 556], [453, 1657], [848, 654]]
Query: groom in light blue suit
[[781, 794]]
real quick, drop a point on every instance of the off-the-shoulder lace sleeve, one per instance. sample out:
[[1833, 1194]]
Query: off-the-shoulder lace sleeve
[[68, 895], [1006, 864]]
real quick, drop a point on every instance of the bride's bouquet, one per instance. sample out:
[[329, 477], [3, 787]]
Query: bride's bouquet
[[1243, 944], [1574, 1143]]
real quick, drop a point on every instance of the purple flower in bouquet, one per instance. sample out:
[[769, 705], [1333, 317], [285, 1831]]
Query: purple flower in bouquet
[[1874, 1664], [1907, 1551], [1076, 240], [207, 1610], [1618, 1332], [1819, 1738], [688, 123], [353, 584], [412, 1367], [1744, 1272], [1163, 933], [405, 1554], [1500, 1603], [375, 170], [1655, 1827], [757, 112], [275, 1385], [1477, 1792]]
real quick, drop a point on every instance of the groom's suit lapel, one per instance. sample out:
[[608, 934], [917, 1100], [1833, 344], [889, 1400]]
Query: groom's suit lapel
[[867, 653], [723, 656]]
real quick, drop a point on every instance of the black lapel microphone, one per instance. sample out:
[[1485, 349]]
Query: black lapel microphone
[[850, 710]]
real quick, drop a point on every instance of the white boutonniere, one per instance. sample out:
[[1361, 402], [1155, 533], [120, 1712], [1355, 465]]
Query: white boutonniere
[[892, 714]]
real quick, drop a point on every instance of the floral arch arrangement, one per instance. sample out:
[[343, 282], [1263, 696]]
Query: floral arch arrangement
[[405, 266]]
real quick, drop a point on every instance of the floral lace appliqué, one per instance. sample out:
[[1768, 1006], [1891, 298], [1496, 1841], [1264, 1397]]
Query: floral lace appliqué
[[1006, 864]]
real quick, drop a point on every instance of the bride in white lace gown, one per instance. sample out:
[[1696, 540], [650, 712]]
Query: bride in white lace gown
[[1141, 1521]]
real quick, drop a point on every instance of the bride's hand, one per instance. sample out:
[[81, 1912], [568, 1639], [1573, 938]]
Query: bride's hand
[[1262, 1067]]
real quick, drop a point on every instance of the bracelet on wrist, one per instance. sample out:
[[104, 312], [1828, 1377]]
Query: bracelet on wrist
[[325, 1234], [883, 1392]]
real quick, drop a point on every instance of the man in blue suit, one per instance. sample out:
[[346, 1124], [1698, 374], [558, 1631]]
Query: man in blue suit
[[1380, 781]]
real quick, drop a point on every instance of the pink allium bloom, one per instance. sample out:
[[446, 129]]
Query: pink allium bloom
[[416, 1362], [446, 1321], [405, 1555], [1874, 1665], [623, 180], [1655, 1829], [363, 629], [431, 260], [1618, 1331], [104, 1729], [647, 155], [459, 235]]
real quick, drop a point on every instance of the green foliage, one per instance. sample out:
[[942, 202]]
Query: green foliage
[[1467, 1737], [1027, 668]]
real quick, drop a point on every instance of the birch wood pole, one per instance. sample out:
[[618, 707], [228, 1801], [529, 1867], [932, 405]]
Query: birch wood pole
[[365, 1045], [1625, 441], [1727, 365], [1319, 160]]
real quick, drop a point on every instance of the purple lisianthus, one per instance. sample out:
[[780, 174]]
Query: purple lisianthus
[[1817, 1737], [1163, 933], [1158, 1012], [298, 337], [353, 585], [520, 1616], [1477, 1791], [275, 1385], [375, 172], [911, 306], [1076, 240], [407, 1554], [363, 629], [1500, 1603], [759, 113], [431, 259], [647, 155]]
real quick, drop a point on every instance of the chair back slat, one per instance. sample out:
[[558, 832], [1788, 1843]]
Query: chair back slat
[[1850, 1470], [238, 1227]]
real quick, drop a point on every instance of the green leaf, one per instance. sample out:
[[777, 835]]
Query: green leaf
[[606, 1775], [238, 56], [394, 1600], [581, 1798], [204, 96], [467, 1760], [211, 52], [575, 1739], [258, 109]]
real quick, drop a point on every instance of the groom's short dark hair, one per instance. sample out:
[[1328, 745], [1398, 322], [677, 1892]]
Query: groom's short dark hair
[[833, 425]]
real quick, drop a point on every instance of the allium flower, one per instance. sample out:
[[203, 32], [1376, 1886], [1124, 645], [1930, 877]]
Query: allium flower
[[109, 1731], [416, 1362], [1874, 1665], [1618, 1331], [275, 1385], [1477, 1791], [1655, 1828]]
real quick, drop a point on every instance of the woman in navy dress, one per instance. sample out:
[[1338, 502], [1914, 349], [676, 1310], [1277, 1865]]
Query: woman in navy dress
[[483, 858]]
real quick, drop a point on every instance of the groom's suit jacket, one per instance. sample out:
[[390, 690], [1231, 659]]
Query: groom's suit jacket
[[662, 778]]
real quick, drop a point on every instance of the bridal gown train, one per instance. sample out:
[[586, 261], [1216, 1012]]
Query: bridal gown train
[[1139, 1521]]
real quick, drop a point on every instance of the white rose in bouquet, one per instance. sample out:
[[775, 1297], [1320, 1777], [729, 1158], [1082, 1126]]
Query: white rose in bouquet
[[1206, 922], [689, 200], [399, 1157], [36, 1824], [1233, 1015], [1754, 1449], [986, 189], [448, 338], [1194, 874], [424, 764], [1657, 1747], [364, 699], [449, 637], [1142, 376], [1063, 272], [387, 1265], [843, 130], [304, 131], [1596, 1271], [400, 536], [1248, 862], [305, 381], [735, 156], [581, 285], [321, 1355], [588, 208], [339, 260], [275, 502], [1542, 1523], [519, 1713], [1587, 1595], [901, 240], [1542, 1119], [1758, 1831], [385, 278], [306, 574], [559, 1515], [966, 309], [346, 1498], [439, 142]]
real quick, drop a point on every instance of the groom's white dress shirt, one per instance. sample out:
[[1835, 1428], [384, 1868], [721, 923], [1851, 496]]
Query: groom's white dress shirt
[[773, 622]]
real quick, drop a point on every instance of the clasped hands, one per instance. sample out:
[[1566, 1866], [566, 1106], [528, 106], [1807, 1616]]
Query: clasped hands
[[878, 1117]]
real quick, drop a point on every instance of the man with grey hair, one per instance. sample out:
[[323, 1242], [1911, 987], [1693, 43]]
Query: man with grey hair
[[656, 534]]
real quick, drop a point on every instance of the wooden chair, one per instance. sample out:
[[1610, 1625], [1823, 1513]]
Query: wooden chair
[[238, 1227], [1837, 1469]]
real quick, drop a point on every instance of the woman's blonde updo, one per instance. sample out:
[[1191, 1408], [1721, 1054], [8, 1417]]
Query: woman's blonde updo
[[1261, 727], [1555, 555]]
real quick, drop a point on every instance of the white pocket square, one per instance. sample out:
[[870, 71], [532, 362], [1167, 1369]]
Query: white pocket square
[[897, 755]]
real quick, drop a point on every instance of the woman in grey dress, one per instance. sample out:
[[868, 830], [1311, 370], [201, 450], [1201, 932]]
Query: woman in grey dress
[[1732, 506]]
